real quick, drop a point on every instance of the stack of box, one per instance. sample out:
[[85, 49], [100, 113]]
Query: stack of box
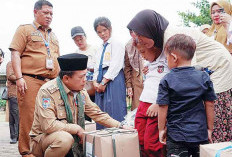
[[223, 149], [90, 126], [112, 142]]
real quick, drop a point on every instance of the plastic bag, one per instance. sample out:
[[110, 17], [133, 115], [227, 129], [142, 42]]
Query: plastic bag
[[5, 94], [129, 119]]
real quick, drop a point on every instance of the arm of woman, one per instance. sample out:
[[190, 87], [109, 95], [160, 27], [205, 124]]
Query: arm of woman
[[128, 74], [96, 68], [226, 21]]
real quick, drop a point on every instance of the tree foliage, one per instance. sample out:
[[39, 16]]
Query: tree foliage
[[202, 18]]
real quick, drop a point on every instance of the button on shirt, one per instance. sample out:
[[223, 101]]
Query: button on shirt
[[184, 89], [156, 72], [113, 58]]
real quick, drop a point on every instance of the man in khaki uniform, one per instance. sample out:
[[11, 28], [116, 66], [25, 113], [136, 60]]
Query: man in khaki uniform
[[13, 104], [52, 132], [34, 52]]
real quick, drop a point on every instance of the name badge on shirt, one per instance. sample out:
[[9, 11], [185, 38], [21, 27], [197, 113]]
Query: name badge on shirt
[[49, 63], [107, 56]]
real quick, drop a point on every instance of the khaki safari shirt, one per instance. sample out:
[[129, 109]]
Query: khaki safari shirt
[[50, 114], [11, 84], [29, 43]]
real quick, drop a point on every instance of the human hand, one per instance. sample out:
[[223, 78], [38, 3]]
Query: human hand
[[152, 110], [101, 88], [21, 86], [130, 92], [126, 127], [95, 84], [163, 136], [225, 20], [145, 70], [80, 133], [210, 135]]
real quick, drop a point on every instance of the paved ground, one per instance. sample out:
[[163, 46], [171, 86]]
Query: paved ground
[[6, 149]]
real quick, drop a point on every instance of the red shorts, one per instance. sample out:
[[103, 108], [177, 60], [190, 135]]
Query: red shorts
[[148, 132]]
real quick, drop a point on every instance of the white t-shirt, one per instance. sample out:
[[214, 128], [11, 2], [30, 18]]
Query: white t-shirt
[[209, 54], [156, 72], [91, 53]]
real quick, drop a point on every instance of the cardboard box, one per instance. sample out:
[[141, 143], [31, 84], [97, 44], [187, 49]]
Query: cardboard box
[[210, 150], [90, 126], [112, 142]]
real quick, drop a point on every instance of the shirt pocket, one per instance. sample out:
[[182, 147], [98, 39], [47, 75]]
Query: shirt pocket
[[35, 43], [36, 38], [61, 112]]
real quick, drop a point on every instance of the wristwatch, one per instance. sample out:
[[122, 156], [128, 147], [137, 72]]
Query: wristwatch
[[102, 83]]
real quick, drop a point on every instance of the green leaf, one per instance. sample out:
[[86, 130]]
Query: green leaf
[[204, 14]]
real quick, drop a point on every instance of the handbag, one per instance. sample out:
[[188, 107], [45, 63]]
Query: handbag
[[5, 94]]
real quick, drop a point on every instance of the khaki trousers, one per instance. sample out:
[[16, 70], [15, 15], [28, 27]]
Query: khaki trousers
[[26, 104], [56, 144]]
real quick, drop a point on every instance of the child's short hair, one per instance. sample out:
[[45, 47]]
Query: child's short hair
[[183, 44]]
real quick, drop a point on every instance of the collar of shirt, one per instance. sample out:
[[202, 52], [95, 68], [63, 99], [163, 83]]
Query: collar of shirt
[[182, 68], [161, 58], [108, 41], [39, 26], [68, 91]]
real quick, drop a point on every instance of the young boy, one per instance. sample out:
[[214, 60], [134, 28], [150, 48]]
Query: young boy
[[146, 120], [185, 99]]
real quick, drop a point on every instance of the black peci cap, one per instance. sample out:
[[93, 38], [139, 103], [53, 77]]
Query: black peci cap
[[73, 62]]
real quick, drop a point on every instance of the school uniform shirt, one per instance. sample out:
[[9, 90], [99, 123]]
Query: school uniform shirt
[[209, 54], [91, 53], [113, 58], [157, 70], [184, 89]]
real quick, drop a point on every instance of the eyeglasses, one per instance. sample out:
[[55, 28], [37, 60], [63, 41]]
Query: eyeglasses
[[220, 10]]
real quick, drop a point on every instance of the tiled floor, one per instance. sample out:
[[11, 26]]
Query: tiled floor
[[6, 149]]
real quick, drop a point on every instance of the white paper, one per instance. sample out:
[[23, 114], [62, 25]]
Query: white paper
[[89, 149]]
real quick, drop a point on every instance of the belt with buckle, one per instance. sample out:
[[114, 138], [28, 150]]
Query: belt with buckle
[[37, 77]]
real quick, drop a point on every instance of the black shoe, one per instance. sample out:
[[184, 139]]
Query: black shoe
[[13, 141]]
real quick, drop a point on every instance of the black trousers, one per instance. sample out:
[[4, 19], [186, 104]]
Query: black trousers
[[183, 149], [13, 117]]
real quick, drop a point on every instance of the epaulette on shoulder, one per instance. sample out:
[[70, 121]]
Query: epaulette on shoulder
[[25, 24], [52, 89]]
